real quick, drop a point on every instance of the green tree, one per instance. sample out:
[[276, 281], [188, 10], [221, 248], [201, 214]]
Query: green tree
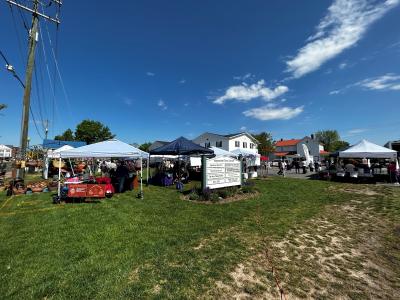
[[331, 140], [339, 145], [91, 131], [2, 106], [145, 146], [266, 143], [68, 135]]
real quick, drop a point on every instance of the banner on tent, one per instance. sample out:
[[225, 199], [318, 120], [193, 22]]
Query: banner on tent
[[221, 172]]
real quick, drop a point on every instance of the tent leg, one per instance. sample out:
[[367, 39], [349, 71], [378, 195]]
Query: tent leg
[[148, 170], [72, 168], [141, 178], [59, 177]]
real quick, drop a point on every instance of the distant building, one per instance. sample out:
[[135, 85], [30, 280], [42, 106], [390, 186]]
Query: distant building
[[394, 145], [294, 147], [157, 144], [228, 142], [5, 152]]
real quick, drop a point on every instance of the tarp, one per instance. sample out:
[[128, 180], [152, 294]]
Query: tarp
[[181, 146], [109, 148], [55, 144], [56, 153], [222, 152], [245, 153], [366, 149]]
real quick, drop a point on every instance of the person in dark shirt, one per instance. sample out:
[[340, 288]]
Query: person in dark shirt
[[121, 174]]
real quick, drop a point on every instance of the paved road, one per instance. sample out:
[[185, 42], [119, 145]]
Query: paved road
[[291, 174]]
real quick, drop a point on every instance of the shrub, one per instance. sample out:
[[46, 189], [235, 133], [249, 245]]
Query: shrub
[[249, 189], [223, 193], [194, 196]]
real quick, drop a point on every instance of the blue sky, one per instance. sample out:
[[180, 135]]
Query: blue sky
[[156, 70]]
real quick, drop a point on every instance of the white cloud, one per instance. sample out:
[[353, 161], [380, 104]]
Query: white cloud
[[343, 26], [182, 81], [150, 74], [244, 77], [245, 93], [128, 101], [334, 92], [342, 66], [243, 128], [269, 112], [356, 131], [388, 81], [162, 104]]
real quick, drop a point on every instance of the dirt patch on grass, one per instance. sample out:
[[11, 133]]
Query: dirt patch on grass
[[341, 253]]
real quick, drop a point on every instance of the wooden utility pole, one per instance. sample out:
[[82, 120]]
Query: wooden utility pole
[[33, 39]]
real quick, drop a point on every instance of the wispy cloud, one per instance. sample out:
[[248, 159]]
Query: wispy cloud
[[150, 74], [334, 92], [344, 25], [161, 104], [244, 77], [356, 131], [243, 128], [342, 66], [245, 93], [127, 101], [182, 81], [271, 112], [388, 81]]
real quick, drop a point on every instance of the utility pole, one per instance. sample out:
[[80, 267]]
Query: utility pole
[[33, 39], [46, 129]]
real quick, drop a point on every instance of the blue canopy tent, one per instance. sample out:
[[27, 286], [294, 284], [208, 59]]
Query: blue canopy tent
[[181, 146]]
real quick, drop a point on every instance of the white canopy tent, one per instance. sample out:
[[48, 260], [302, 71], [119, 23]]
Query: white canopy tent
[[222, 152], [366, 149], [108, 149], [56, 153], [253, 159]]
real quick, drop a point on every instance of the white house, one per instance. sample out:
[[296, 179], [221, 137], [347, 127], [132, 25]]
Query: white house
[[228, 142], [285, 148], [5, 152]]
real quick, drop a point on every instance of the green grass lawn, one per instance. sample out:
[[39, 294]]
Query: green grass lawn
[[158, 247]]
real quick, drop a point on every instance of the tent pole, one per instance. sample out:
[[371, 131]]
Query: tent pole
[[148, 169], [141, 178], [59, 177], [72, 168]]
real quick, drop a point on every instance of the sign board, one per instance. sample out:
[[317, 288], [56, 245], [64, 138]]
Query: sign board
[[221, 172], [86, 190]]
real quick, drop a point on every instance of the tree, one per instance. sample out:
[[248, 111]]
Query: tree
[[91, 131], [266, 144], [331, 140], [339, 145], [68, 135], [145, 146], [2, 106]]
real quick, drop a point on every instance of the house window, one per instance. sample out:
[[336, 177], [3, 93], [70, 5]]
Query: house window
[[218, 144], [251, 146], [237, 144], [207, 144], [244, 144]]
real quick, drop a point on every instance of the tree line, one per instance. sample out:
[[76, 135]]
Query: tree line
[[91, 131]]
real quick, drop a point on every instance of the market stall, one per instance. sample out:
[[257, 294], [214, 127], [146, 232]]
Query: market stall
[[251, 160], [365, 151], [108, 149], [179, 147]]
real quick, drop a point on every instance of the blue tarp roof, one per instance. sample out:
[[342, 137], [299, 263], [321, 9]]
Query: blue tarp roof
[[181, 146], [55, 144]]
